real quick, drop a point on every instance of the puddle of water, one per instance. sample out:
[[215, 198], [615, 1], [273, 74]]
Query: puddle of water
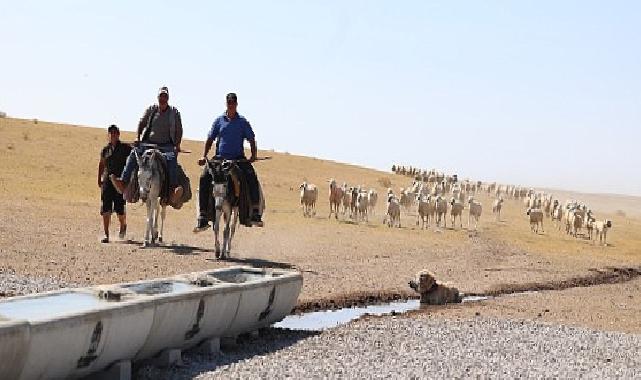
[[41, 308], [322, 320], [161, 287]]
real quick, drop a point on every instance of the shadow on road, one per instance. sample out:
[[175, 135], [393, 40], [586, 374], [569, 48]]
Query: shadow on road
[[270, 341]]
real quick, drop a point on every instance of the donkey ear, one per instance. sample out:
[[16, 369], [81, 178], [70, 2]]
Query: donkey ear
[[137, 157]]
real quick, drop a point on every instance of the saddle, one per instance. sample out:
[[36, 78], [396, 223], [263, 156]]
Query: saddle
[[132, 192]]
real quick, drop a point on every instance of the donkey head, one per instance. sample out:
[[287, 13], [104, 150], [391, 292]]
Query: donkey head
[[146, 172]]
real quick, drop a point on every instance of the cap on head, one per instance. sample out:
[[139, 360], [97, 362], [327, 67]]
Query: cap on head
[[113, 128], [163, 90], [232, 98]]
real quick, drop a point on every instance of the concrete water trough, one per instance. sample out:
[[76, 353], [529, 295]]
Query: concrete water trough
[[266, 296], [14, 343], [72, 333], [180, 309]]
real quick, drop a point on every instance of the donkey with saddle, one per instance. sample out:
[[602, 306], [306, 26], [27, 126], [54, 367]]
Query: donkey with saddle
[[229, 183], [153, 163], [228, 198]]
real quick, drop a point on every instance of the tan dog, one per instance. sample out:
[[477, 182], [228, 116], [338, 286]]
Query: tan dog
[[433, 293]]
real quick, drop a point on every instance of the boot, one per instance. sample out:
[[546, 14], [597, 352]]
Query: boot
[[201, 225], [176, 196]]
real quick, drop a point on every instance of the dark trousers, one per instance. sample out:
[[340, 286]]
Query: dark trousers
[[205, 189]]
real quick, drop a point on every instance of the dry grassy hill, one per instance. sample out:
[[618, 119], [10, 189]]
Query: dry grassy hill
[[50, 226]]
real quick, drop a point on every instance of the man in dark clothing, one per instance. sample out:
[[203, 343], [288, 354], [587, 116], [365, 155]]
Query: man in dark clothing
[[160, 126], [230, 130], [112, 161]]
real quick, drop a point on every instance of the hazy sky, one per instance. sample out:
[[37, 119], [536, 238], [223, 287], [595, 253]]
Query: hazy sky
[[541, 93]]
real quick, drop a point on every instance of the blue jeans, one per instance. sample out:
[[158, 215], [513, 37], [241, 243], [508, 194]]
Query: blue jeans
[[167, 151]]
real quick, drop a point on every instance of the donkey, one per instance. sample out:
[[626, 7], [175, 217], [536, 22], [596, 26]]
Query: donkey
[[226, 204], [151, 177]]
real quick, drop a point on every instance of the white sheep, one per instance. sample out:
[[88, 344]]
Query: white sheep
[[536, 218], [475, 211], [456, 210], [496, 208], [601, 227], [393, 215], [347, 198], [425, 210], [441, 209], [335, 198], [361, 206], [308, 198], [372, 199]]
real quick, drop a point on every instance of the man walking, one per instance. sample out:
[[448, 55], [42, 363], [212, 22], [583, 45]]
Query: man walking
[[230, 130], [160, 127], [112, 161]]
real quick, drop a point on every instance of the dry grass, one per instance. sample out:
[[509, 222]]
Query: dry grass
[[50, 226]]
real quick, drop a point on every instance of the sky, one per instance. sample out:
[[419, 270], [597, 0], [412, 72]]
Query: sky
[[537, 93]]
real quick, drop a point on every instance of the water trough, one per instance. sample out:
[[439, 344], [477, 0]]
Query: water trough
[[72, 333]]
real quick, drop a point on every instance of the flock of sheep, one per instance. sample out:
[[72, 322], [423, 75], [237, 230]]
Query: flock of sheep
[[573, 217], [433, 195], [357, 202]]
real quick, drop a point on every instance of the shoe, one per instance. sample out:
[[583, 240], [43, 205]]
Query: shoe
[[123, 232], [105, 239], [256, 220], [201, 225], [119, 184]]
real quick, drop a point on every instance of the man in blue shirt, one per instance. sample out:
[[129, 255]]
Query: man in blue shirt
[[230, 130]]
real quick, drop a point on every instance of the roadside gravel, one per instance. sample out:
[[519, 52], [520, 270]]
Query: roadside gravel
[[399, 347]]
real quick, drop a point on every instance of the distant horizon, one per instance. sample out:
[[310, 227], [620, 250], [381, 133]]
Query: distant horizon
[[539, 93]]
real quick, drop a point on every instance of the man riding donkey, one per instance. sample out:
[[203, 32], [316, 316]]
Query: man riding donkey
[[230, 130], [160, 128]]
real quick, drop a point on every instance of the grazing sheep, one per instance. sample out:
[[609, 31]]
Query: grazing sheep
[[426, 210], [353, 211], [308, 198], [361, 206], [335, 198], [589, 226], [601, 227], [474, 212], [441, 209], [456, 209], [347, 198], [393, 215], [372, 199], [496, 208], [557, 216], [536, 218], [574, 223]]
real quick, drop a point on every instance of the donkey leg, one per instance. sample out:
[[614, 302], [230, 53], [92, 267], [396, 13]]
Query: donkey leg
[[226, 233], [216, 230], [150, 218], [234, 223], [154, 231], [163, 213]]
